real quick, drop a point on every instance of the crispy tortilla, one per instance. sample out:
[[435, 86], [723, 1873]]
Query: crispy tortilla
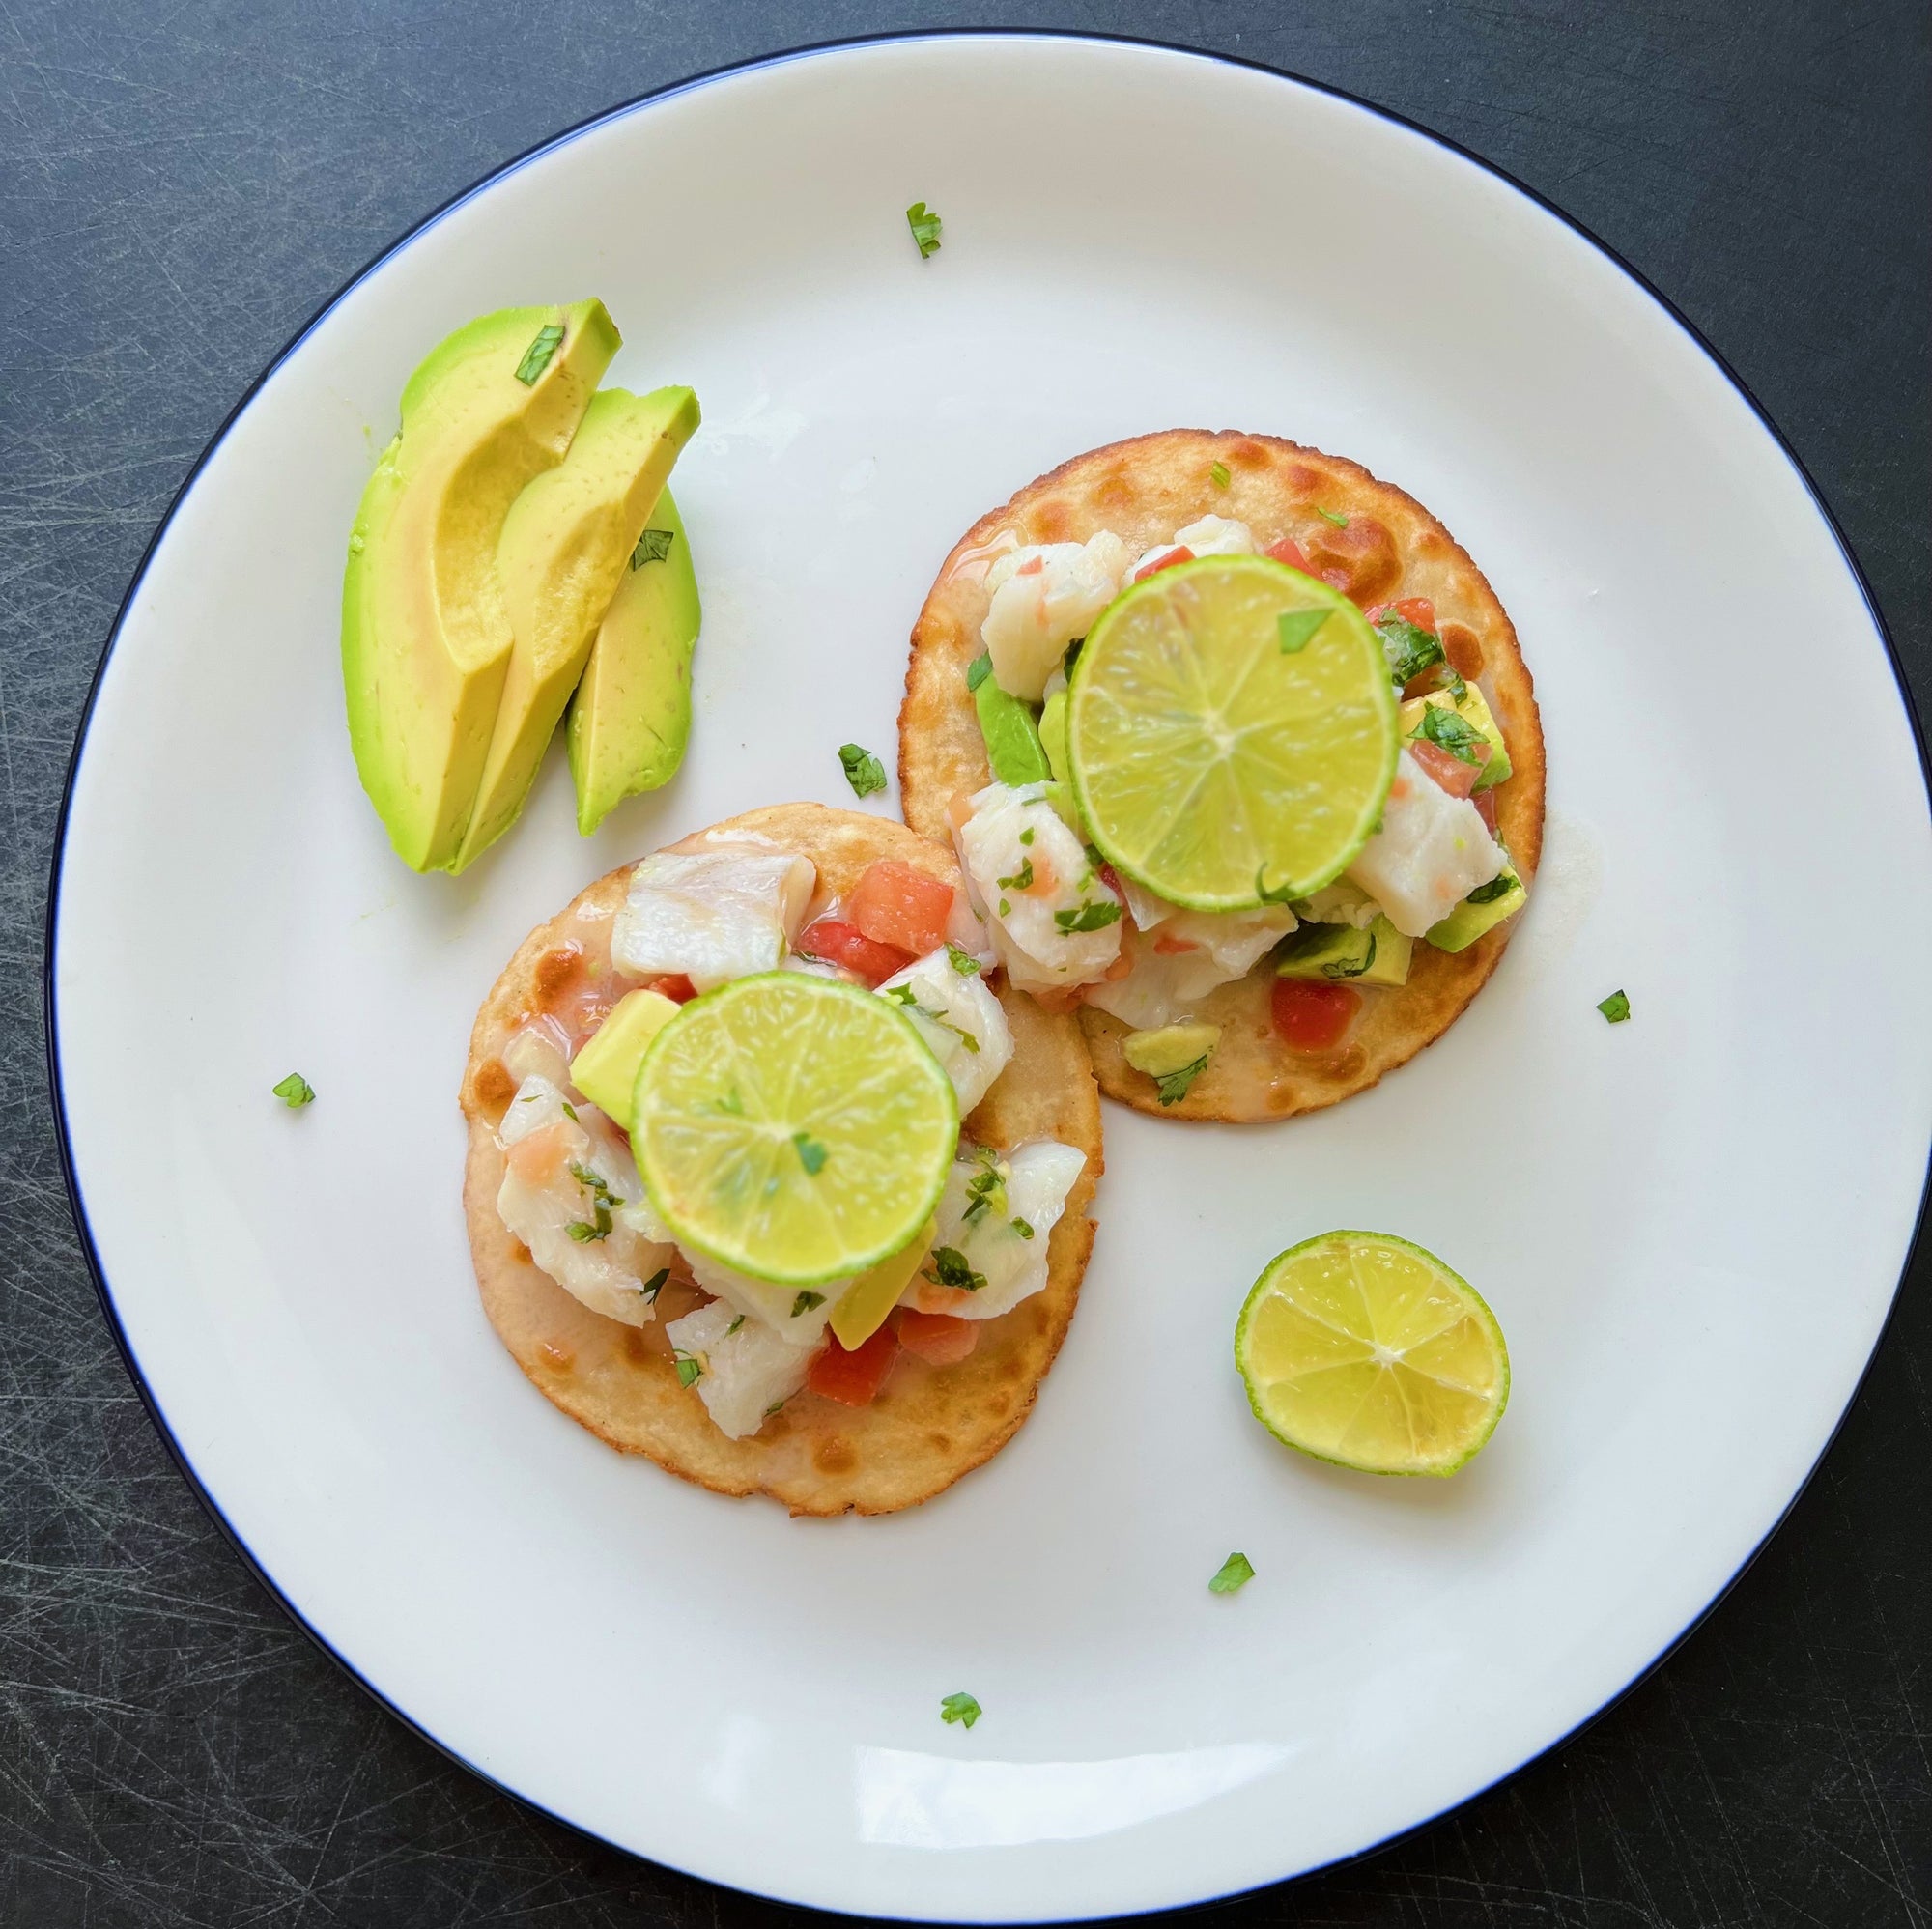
[[1143, 490], [928, 1425]]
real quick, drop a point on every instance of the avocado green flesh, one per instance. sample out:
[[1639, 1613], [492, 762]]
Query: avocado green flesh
[[1469, 922], [1012, 738], [565, 548], [426, 634], [1475, 712], [1053, 733], [630, 718], [1379, 955]]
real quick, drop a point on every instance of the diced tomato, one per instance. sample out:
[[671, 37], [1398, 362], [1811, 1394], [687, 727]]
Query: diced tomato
[[1059, 998], [1289, 550], [1031, 566], [678, 988], [895, 904], [853, 1378], [937, 1338], [838, 943], [1181, 553], [1111, 878], [1312, 1015], [1485, 801], [1457, 777], [1417, 609], [1173, 947]]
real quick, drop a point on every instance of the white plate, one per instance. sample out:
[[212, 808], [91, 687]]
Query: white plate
[[1690, 1226]]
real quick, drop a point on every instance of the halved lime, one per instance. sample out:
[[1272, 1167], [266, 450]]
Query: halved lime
[[793, 1128], [1217, 752], [1361, 1349]]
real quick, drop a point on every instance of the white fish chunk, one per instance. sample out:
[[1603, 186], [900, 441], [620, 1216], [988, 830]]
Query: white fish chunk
[[957, 1016], [1044, 596], [1166, 983], [743, 1369], [1031, 875], [713, 915], [1431, 852], [994, 1219], [565, 1167]]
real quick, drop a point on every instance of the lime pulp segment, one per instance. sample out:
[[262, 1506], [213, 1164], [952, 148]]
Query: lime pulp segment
[[1364, 1349], [793, 1128], [1216, 754]]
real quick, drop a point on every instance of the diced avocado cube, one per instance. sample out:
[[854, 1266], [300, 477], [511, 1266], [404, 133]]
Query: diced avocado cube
[[1378, 956], [1172, 1048], [1480, 910], [1474, 712], [605, 1069], [1053, 733], [1012, 738]]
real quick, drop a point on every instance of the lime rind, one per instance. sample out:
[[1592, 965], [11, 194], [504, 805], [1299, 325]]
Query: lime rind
[[1224, 816], [1437, 1323], [724, 1094]]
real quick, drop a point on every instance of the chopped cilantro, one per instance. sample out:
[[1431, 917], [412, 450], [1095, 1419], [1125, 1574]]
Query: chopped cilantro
[[1092, 916], [1329, 516], [653, 545], [582, 1229], [962, 961], [978, 671], [924, 225], [1297, 629], [655, 1285], [602, 1198], [1456, 734], [949, 1268], [810, 1154], [987, 1189], [536, 357], [1488, 894], [961, 1707], [1174, 1084], [1219, 476], [805, 1302], [295, 1092], [689, 1366], [569, 1110], [1026, 835], [1020, 880], [1616, 1008], [1236, 1572], [864, 772], [734, 1325], [1006, 909], [1022, 1227], [1410, 650], [1453, 683]]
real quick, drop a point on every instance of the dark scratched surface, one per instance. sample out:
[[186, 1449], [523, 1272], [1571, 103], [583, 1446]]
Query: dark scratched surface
[[183, 182]]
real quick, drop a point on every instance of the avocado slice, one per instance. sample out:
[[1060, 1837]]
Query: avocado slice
[[864, 1305], [1379, 955], [631, 716], [1168, 1049], [564, 549], [1012, 737], [1483, 910], [1053, 732], [1474, 712], [426, 636], [605, 1069]]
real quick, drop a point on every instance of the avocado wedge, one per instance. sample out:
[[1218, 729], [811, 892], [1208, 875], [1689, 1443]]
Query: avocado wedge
[[631, 716], [426, 636], [565, 548]]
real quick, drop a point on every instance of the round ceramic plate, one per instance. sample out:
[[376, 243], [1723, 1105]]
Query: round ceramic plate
[[1690, 1226]]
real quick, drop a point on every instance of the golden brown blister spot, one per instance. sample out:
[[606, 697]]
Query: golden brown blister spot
[[520, 1253], [559, 1359], [1363, 555], [637, 1348], [1050, 522], [1113, 492], [940, 1443], [494, 1085], [555, 972], [1464, 648], [1248, 453], [833, 1454]]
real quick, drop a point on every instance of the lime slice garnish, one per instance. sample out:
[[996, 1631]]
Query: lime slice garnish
[[1361, 1349], [1218, 752], [793, 1128]]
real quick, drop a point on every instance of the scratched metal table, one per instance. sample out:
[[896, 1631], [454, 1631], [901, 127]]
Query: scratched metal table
[[182, 187]]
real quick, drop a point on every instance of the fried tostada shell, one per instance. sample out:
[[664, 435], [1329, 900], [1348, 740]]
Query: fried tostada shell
[[1376, 544], [928, 1425]]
